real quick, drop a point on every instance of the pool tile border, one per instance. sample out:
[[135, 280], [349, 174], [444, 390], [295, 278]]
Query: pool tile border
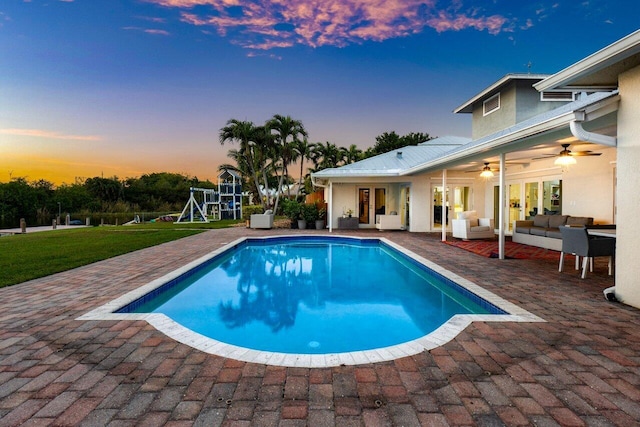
[[440, 336]]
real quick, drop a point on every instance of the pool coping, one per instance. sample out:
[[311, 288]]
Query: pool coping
[[440, 336]]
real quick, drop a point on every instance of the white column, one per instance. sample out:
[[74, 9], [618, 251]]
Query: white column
[[503, 168], [445, 211], [330, 207]]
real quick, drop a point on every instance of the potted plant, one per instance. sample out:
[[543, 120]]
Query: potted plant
[[291, 209], [308, 215], [322, 213]]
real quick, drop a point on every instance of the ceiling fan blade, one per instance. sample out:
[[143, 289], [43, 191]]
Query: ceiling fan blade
[[585, 153], [546, 156]]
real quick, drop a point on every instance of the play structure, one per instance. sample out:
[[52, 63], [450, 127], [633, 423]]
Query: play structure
[[224, 202]]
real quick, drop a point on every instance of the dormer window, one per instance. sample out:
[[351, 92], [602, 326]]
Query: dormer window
[[491, 104]]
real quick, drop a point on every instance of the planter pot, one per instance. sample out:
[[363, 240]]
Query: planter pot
[[319, 224], [302, 224]]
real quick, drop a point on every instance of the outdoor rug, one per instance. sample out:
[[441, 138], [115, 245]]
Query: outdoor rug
[[489, 249]]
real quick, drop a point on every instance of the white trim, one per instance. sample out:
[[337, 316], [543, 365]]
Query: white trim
[[615, 52]]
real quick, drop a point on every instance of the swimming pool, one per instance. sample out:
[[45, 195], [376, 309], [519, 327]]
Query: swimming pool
[[311, 301]]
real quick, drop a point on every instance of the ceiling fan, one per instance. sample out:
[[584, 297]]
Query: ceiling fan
[[566, 153], [486, 171]]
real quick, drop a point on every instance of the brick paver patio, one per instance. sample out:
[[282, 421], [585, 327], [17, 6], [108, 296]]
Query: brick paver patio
[[580, 368]]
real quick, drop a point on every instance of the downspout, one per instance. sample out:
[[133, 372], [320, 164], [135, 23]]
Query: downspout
[[583, 135]]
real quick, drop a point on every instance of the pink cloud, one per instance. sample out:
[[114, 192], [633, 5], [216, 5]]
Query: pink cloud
[[267, 24], [39, 133]]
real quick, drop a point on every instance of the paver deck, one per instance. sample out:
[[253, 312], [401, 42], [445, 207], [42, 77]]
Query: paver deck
[[580, 368]]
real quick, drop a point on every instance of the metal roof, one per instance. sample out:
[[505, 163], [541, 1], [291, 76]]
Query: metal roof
[[467, 107], [553, 119], [395, 162], [439, 152]]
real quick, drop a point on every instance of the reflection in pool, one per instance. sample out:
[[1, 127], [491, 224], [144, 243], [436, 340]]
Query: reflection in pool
[[312, 296]]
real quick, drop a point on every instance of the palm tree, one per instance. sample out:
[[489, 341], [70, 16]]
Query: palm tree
[[352, 154], [253, 153], [326, 156], [287, 132], [303, 148]]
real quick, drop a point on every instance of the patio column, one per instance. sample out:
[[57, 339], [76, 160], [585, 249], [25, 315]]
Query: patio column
[[330, 207], [445, 210], [501, 207]]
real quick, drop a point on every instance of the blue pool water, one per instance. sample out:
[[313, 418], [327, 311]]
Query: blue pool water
[[311, 295]]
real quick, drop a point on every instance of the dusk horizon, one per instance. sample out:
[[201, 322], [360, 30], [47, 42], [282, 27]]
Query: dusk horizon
[[142, 86]]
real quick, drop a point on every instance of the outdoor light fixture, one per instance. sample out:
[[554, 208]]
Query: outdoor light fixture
[[565, 159], [486, 172]]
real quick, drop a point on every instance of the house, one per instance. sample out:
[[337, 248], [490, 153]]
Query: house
[[520, 125]]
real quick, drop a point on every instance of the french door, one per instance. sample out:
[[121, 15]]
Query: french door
[[458, 199], [369, 207]]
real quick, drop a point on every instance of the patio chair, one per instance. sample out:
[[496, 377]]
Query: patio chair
[[469, 226], [264, 220], [577, 241]]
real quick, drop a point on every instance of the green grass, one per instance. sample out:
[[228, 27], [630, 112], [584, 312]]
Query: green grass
[[30, 256]]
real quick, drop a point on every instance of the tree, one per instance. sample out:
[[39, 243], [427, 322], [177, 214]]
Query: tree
[[287, 132], [352, 154], [326, 155], [303, 149], [253, 154], [390, 141]]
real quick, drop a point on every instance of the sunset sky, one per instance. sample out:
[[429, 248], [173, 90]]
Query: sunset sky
[[127, 87]]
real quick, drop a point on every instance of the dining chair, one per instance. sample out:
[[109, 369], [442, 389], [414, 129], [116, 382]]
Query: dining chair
[[577, 241]]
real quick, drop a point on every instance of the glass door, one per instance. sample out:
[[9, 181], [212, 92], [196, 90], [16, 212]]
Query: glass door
[[363, 206], [530, 199], [515, 204], [461, 201], [440, 209]]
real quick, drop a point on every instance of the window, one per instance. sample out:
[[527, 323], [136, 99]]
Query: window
[[557, 96], [491, 104]]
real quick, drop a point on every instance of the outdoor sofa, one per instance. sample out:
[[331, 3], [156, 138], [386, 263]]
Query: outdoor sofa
[[544, 230]]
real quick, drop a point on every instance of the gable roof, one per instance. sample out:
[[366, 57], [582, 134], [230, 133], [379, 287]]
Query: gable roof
[[467, 107], [396, 162], [599, 69]]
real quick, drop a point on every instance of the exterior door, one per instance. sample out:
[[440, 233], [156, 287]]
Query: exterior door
[[514, 203], [363, 205], [458, 199]]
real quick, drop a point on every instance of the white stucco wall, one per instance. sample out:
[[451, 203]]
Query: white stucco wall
[[628, 195]]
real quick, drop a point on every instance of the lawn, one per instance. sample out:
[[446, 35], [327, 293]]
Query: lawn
[[30, 256]]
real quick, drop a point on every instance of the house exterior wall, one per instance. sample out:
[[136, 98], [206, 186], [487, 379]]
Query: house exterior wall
[[528, 103], [628, 183], [588, 187], [501, 118], [519, 101]]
